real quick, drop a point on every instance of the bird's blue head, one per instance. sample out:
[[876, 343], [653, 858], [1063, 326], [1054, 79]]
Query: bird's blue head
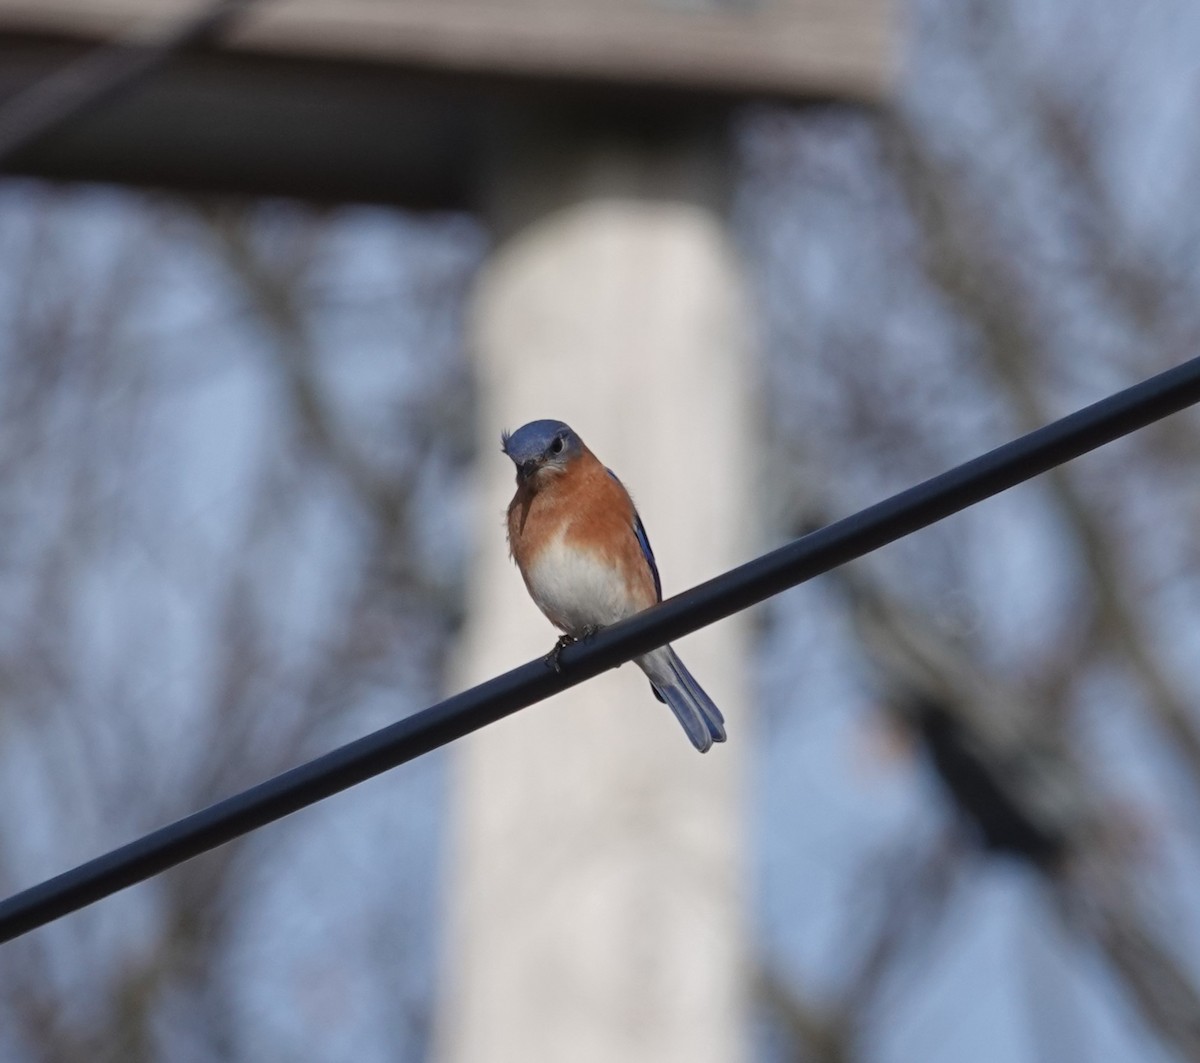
[[541, 447]]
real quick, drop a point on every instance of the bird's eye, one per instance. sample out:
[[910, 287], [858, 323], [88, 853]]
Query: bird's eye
[[557, 446]]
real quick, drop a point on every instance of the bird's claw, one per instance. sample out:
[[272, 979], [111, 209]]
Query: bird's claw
[[552, 658]]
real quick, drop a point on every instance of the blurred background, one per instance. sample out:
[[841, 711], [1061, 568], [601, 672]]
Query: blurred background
[[274, 275]]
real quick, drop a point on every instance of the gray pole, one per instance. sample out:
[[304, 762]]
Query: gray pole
[[596, 876]]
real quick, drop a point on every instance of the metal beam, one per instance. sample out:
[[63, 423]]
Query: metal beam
[[402, 101], [792, 48]]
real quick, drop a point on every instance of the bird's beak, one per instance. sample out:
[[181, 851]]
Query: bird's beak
[[526, 469]]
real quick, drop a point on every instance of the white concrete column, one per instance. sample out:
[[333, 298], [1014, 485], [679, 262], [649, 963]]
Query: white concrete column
[[595, 878]]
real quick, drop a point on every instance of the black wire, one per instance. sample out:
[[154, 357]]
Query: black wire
[[103, 75], [744, 586]]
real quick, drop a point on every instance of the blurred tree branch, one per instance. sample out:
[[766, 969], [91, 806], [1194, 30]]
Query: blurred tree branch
[[988, 291], [389, 496], [912, 893], [77, 411], [1020, 787], [1016, 229]]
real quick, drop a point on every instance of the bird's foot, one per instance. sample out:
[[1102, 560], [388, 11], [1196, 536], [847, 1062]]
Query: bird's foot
[[552, 658]]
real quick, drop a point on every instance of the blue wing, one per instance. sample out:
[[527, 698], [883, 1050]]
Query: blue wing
[[640, 531]]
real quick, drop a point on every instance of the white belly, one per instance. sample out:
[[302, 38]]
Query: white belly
[[576, 592]]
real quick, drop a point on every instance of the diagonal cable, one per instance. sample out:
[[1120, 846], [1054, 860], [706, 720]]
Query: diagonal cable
[[806, 557], [103, 74]]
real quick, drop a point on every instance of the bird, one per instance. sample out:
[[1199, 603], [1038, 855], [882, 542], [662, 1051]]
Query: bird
[[583, 553]]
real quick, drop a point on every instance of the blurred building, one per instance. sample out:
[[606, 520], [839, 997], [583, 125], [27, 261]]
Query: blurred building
[[595, 890]]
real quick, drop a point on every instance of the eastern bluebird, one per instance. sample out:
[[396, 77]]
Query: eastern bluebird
[[583, 553]]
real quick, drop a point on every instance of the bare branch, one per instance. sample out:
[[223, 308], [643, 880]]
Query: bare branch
[[986, 289]]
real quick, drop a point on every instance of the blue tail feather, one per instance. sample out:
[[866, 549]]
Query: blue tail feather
[[693, 708]]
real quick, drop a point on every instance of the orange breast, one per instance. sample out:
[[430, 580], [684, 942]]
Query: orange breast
[[582, 513]]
